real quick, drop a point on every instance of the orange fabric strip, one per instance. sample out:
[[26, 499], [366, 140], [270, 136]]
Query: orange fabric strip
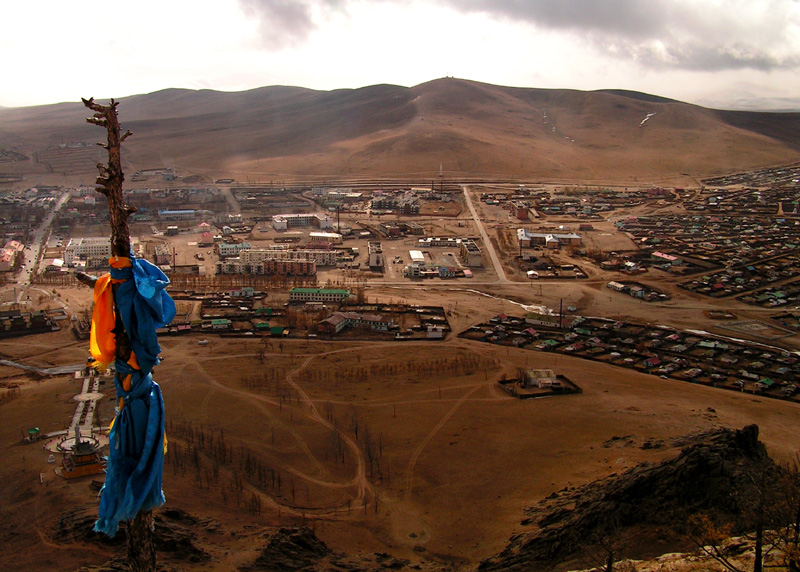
[[103, 342], [120, 262], [133, 362]]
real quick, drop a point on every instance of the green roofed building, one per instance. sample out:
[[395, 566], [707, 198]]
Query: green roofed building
[[317, 295], [220, 324]]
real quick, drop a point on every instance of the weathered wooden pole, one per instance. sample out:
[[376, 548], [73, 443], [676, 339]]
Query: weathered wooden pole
[[140, 538]]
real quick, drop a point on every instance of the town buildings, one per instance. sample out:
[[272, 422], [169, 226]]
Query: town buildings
[[325, 238], [470, 253], [86, 248], [338, 321], [405, 202], [286, 221], [318, 295], [185, 214], [233, 249], [552, 240], [162, 255]]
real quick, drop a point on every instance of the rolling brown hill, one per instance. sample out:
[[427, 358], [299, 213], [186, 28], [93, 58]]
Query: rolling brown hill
[[470, 129]]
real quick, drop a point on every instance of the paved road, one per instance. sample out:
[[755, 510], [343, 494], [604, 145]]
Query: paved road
[[58, 370], [488, 246], [33, 255], [232, 202]]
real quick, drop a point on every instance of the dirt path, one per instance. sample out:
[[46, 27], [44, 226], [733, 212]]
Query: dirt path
[[488, 246], [364, 489], [418, 451], [261, 402], [360, 479]]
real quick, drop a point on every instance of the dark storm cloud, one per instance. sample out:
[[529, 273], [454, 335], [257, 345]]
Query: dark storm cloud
[[728, 34], [633, 18], [285, 22], [704, 56], [680, 34]]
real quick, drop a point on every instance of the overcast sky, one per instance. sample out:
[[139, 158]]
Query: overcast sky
[[733, 54]]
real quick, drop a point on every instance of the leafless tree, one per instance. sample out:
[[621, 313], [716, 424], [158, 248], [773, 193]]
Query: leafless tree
[[710, 537], [769, 501]]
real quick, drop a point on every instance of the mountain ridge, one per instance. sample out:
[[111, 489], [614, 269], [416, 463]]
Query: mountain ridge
[[467, 127]]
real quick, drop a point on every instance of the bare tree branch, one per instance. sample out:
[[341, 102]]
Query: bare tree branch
[[87, 279]]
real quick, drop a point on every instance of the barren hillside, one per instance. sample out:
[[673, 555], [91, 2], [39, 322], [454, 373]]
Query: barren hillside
[[464, 127]]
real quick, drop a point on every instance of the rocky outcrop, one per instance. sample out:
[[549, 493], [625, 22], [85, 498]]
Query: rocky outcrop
[[291, 549], [703, 477], [175, 536]]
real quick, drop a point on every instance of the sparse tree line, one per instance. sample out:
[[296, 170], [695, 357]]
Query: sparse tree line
[[506, 242], [372, 446], [464, 364], [239, 475], [351, 280], [204, 451], [273, 378], [54, 279], [225, 281], [8, 395], [273, 381], [304, 319]]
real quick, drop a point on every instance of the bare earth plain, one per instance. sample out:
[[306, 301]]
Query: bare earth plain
[[442, 464]]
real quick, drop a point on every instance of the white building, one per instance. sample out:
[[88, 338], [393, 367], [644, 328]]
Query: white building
[[331, 237], [547, 239], [317, 295], [284, 221], [320, 257], [83, 248], [470, 253], [187, 214], [440, 242], [236, 249], [435, 332]]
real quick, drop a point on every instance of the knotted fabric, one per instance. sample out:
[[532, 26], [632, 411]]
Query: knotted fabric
[[137, 437]]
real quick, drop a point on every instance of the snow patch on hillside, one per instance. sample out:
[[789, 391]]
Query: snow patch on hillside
[[649, 115]]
